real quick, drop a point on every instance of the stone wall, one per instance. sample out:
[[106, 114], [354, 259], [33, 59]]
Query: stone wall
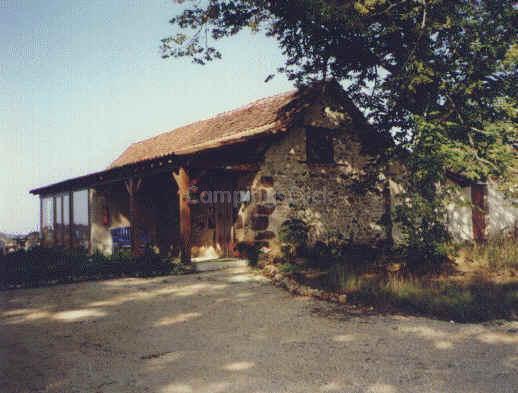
[[323, 195], [503, 212]]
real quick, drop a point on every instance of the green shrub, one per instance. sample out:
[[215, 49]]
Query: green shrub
[[424, 237], [249, 250], [40, 266], [294, 236], [326, 255], [320, 255]]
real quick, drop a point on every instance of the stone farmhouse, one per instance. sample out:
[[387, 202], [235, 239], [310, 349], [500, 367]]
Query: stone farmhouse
[[202, 188]]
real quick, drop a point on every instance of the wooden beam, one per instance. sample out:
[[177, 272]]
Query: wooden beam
[[479, 212], [132, 186], [89, 194], [71, 219], [248, 167], [240, 157], [182, 180], [54, 219], [41, 221], [62, 227]]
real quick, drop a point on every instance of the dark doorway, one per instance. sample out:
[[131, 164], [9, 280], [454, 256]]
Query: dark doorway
[[223, 199]]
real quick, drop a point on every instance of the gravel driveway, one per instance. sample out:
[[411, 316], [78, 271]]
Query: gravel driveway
[[232, 331]]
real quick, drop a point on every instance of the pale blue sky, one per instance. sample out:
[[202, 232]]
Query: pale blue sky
[[81, 80]]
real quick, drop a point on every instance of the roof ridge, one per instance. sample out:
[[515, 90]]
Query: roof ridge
[[256, 116], [219, 115]]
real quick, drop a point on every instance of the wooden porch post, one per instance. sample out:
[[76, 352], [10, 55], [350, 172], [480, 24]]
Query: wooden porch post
[[54, 219], [132, 186], [62, 228], [41, 221], [89, 193], [71, 219], [182, 180]]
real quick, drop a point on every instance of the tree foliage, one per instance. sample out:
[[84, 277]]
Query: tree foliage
[[437, 76]]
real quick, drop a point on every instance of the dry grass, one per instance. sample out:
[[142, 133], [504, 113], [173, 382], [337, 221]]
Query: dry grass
[[478, 299], [499, 254], [481, 285]]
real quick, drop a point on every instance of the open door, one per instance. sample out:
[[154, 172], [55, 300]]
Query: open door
[[223, 214]]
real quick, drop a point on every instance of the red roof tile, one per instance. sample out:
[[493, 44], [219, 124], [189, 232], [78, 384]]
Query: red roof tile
[[262, 116]]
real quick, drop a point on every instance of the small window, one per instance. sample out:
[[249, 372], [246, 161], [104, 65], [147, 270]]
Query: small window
[[319, 146]]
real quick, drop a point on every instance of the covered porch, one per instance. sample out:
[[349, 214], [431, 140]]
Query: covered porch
[[178, 207]]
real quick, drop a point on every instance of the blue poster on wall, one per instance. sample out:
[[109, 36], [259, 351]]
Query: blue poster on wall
[[121, 236]]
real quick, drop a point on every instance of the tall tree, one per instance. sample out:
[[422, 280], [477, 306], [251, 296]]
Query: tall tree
[[437, 76]]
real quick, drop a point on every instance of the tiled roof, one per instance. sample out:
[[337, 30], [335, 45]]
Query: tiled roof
[[266, 115]]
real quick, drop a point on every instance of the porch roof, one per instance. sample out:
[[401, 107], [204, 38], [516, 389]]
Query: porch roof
[[110, 175]]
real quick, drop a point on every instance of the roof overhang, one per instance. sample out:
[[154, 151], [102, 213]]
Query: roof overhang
[[228, 155], [111, 175]]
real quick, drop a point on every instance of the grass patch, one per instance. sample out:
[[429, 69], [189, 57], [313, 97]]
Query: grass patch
[[498, 254], [480, 299], [250, 251], [481, 285]]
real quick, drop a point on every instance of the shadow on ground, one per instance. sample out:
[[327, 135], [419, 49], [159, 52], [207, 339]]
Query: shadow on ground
[[231, 331]]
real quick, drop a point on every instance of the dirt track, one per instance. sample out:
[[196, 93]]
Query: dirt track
[[231, 331]]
